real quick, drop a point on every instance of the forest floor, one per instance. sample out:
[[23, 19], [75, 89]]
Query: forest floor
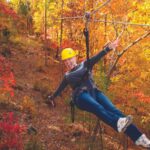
[[54, 130]]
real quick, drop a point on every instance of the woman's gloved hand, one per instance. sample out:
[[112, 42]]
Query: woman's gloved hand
[[50, 101]]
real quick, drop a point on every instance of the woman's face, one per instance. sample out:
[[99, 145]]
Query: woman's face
[[70, 63]]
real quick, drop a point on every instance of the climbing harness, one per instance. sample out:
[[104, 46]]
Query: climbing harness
[[86, 34]]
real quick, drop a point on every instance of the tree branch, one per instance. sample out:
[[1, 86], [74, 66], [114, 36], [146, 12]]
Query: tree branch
[[124, 50]]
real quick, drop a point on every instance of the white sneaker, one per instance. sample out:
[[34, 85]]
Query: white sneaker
[[143, 141], [123, 123]]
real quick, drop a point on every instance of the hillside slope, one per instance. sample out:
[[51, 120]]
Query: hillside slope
[[33, 81]]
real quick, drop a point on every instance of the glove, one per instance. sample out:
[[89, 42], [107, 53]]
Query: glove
[[50, 101]]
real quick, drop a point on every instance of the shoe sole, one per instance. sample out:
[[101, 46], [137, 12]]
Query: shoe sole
[[130, 120]]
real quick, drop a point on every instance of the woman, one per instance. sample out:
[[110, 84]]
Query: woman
[[88, 98]]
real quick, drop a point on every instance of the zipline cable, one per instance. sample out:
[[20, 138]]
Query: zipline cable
[[120, 22], [96, 10], [92, 12], [69, 18], [96, 20]]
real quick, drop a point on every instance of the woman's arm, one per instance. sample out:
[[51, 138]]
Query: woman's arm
[[60, 88], [93, 60]]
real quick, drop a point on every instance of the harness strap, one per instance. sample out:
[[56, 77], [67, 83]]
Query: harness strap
[[72, 109], [86, 34]]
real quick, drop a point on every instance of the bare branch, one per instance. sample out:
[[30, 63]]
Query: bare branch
[[125, 49], [133, 43], [115, 52]]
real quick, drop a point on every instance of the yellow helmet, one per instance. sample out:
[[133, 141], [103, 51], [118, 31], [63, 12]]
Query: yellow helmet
[[67, 53]]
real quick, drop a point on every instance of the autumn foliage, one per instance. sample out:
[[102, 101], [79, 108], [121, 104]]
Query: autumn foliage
[[11, 132], [7, 10], [7, 80], [142, 97], [36, 31]]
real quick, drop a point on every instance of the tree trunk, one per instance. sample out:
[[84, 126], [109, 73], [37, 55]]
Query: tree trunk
[[45, 31], [61, 30]]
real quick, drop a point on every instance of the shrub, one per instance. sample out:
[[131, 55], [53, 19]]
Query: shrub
[[34, 144], [4, 99], [5, 50], [28, 105], [43, 86], [6, 34], [11, 132], [40, 66], [7, 80]]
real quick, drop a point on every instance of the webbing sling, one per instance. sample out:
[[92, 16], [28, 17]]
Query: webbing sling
[[86, 34]]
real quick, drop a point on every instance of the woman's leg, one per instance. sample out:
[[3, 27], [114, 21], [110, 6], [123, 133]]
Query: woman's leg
[[107, 104], [86, 102], [132, 131]]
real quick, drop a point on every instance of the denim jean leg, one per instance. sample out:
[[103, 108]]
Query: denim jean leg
[[132, 131], [107, 104], [86, 102]]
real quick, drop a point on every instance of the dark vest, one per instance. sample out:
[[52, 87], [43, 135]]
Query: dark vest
[[80, 79]]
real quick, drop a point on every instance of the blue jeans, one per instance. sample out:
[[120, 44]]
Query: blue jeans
[[103, 108]]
